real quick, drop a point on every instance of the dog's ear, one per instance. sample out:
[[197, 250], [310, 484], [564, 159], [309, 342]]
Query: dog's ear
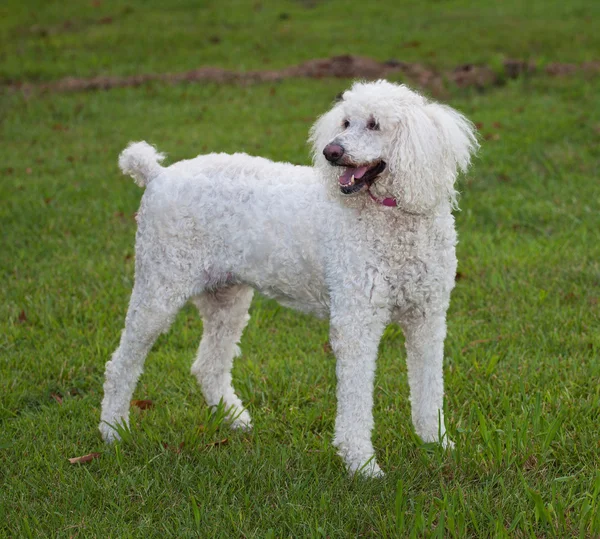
[[431, 144], [457, 136]]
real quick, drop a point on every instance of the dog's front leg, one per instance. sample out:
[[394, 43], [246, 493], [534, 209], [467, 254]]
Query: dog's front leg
[[355, 333], [425, 358]]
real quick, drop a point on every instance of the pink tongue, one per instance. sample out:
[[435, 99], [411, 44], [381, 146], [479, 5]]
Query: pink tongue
[[358, 173]]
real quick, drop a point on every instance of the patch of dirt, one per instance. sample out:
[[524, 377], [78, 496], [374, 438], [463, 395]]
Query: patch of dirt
[[514, 68], [473, 75], [559, 69], [346, 67]]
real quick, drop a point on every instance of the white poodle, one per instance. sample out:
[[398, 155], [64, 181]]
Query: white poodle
[[365, 237]]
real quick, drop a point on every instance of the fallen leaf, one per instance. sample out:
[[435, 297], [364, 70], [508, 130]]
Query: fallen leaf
[[218, 442], [411, 44], [36, 29], [327, 347], [85, 458], [530, 463], [142, 404], [28, 170], [56, 397], [484, 341], [22, 317], [175, 449]]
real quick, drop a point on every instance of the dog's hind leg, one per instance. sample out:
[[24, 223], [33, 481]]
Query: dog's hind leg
[[149, 314], [225, 315]]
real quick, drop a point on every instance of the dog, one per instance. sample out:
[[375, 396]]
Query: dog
[[365, 237]]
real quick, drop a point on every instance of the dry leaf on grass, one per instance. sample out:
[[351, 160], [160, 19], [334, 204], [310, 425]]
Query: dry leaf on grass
[[142, 404], [218, 442], [175, 449], [85, 458], [484, 341]]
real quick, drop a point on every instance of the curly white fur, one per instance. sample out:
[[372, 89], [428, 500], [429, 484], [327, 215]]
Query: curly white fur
[[213, 228], [141, 161]]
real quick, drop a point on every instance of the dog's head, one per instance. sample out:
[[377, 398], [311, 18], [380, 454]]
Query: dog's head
[[384, 137]]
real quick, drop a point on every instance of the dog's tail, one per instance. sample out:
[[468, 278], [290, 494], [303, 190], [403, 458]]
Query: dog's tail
[[141, 161]]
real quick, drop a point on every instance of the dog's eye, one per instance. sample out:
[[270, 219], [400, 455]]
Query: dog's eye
[[372, 125], [346, 124]]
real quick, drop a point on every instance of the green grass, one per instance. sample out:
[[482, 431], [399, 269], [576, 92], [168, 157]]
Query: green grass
[[44, 39], [522, 395]]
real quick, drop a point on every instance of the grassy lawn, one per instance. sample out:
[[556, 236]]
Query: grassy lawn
[[44, 39], [522, 392]]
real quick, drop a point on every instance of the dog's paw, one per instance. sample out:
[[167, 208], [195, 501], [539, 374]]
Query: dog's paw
[[371, 470], [368, 470], [447, 443], [241, 421], [433, 436], [109, 435]]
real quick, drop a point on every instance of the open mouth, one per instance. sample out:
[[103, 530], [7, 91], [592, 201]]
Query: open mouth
[[357, 179]]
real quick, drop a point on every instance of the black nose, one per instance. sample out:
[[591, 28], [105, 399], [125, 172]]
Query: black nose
[[333, 152]]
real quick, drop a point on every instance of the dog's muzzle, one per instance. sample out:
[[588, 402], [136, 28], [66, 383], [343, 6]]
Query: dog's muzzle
[[356, 179]]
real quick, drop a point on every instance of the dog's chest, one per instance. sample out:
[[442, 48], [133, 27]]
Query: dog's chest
[[417, 264]]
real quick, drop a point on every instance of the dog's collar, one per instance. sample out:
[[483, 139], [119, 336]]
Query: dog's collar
[[389, 202]]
